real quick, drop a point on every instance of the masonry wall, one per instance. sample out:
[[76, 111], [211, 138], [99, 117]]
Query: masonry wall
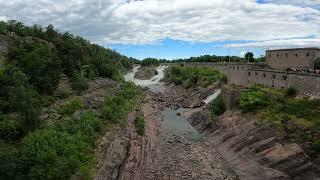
[[294, 58]]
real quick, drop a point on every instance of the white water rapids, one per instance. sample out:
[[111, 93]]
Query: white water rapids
[[153, 84]]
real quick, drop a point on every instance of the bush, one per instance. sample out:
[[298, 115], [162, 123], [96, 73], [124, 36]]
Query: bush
[[291, 92], [9, 130], [47, 100], [116, 108], [71, 107], [217, 106], [139, 124], [252, 100], [60, 150], [79, 83], [63, 94]]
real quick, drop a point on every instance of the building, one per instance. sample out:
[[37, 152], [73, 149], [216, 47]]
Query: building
[[299, 58]]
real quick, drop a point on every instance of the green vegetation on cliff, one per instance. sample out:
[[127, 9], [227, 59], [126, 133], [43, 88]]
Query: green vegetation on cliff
[[35, 62], [193, 76], [66, 147], [297, 118]]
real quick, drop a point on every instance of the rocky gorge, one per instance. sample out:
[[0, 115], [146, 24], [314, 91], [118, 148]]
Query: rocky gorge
[[183, 141]]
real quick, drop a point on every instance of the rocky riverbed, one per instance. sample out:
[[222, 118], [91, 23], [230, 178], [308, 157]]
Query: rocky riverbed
[[182, 141]]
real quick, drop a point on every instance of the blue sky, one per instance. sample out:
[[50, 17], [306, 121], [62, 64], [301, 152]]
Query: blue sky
[[174, 49], [178, 28]]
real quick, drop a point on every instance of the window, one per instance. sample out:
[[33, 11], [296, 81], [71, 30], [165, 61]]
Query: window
[[264, 75], [308, 54], [284, 78], [238, 67], [249, 73], [242, 68], [296, 55], [274, 76], [286, 55], [256, 74], [277, 55]]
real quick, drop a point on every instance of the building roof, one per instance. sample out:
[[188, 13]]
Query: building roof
[[294, 49]]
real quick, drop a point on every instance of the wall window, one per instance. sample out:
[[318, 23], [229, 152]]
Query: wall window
[[256, 74], [274, 76], [238, 67], [284, 78], [286, 55], [249, 73], [308, 54], [277, 55], [296, 55], [264, 75]]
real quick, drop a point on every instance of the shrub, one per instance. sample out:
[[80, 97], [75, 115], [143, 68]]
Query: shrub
[[217, 106], [9, 130], [62, 94], [291, 92], [252, 100], [140, 125], [79, 83], [70, 107], [47, 100]]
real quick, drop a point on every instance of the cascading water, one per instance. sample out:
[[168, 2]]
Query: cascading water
[[213, 96], [153, 84]]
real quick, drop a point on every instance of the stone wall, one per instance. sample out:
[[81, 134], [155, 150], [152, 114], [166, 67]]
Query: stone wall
[[292, 58], [230, 95]]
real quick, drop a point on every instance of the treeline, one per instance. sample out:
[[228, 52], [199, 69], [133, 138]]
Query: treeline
[[249, 57]]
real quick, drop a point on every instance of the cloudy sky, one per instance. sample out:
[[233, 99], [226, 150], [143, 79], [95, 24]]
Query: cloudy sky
[[178, 28]]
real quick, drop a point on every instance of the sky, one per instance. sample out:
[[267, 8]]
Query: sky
[[178, 28]]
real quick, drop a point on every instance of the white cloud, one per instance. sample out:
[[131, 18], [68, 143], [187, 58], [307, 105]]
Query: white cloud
[[243, 53], [150, 21]]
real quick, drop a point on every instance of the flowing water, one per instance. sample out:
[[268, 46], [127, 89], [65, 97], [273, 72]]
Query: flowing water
[[173, 123], [213, 96], [153, 84]]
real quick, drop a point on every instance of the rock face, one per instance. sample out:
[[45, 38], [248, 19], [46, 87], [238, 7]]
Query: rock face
[[189, 98], [146, 73], [256, 151]]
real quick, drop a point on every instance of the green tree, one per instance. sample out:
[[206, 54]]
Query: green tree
[[249, 56]]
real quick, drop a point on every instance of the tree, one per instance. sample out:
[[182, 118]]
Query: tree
[[249, 56]]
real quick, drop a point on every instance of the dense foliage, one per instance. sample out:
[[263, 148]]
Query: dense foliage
[[66, 147], [36, 59], [29, 77], [252, 100], [150, 62], [193, 76]]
